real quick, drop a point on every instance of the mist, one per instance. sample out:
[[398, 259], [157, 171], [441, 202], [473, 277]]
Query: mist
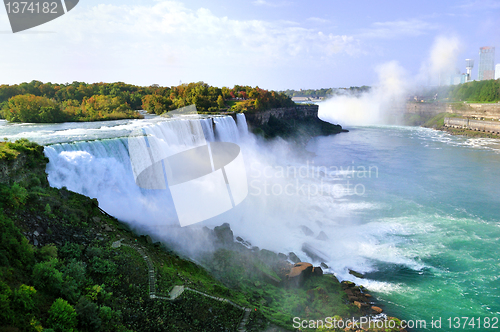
[[385, 102]]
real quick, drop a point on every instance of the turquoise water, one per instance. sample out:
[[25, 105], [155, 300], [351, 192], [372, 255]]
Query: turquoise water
[[437, 197]]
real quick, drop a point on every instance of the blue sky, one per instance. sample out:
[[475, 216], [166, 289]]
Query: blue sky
[[273, 44]]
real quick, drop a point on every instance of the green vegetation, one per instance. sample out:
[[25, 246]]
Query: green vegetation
[[471, 92], [47, 103], [321, 93], [34, 109], [477, 91]]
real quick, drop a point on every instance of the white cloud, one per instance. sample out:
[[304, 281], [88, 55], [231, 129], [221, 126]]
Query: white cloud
[[271, 3], [396, 29], [480, 4], [162, 44], [318, 20]]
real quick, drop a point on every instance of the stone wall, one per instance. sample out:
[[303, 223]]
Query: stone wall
[[286, 113], [491, 111], [478, 125]]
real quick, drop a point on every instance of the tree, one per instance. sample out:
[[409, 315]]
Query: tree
[[88, 315], [31, 108], [62, 316], [220, 102], [47, 277], [5, 304]]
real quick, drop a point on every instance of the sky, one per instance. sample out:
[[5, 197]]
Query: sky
[[282, 44]]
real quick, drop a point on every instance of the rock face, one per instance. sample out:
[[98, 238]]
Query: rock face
[[297, 112], [224, 233], [301, 271]]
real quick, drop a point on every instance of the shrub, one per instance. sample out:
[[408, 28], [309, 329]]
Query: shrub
[[70, 251], [62, 316]]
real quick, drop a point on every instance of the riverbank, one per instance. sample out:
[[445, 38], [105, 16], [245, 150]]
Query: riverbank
[[458, 125]]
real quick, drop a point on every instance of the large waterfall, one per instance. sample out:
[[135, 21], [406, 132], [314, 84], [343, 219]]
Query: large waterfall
[[102, 168]]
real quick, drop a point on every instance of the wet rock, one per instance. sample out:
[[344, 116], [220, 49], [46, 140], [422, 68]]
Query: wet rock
[[294, 258], [314, 253], [317, 271], [282, 256], [299, 273], [306, 230], [322, 236], [224, 233], [356, 274], [268, 256]]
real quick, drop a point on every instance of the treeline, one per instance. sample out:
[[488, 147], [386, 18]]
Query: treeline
[[321, 93], [36, 109], [78, 101], [477, 91], [212, 99]]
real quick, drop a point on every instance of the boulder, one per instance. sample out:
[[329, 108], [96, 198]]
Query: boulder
[[356, 274], [323, 265], [306, 230], [317, 271], [314, 253], [294, 258], [224, 234], [376, 310], [299, 273], [322, 236]]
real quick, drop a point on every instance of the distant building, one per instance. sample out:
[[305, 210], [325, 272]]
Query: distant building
[[486, 63], [497, 71]]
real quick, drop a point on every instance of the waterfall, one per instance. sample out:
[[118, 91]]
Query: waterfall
[[241, 121], [226, 129], [102, 168]]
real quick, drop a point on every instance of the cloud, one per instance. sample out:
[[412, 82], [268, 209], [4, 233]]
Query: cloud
[[397, 29], [480, 4], [271, 4], [166, 41], [318, 20]]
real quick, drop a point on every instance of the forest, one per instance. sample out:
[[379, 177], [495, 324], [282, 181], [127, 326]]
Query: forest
[[38, 102]]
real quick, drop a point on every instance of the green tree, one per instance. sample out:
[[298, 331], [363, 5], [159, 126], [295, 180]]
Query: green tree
[[47, 277], [6, 313], [31, 108], [62, 316], [220, 102], [88, 315]]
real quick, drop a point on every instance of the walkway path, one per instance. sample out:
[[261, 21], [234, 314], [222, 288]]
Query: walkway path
[[178, 290]]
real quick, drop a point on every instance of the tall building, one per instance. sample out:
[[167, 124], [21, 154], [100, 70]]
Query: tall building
[[486, 63], [497, 71]]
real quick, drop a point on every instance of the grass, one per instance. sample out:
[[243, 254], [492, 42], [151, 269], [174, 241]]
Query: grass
[[438, 120]]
